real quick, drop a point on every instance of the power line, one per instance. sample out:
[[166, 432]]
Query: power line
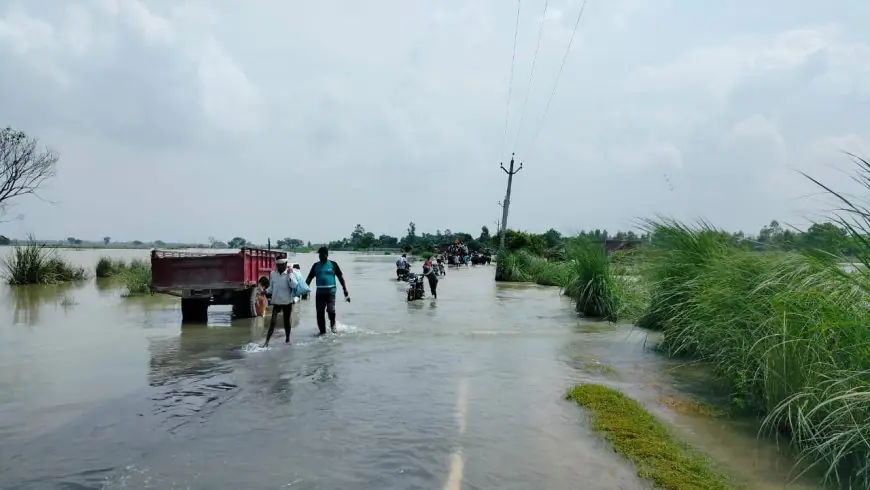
[[531, 75], [558, 76], [511, 82]]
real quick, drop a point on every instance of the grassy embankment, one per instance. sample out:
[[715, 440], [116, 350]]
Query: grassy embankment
[[787, 333], [134, 275], [32, 263]]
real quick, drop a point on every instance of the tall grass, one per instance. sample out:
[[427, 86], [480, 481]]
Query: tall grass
[[109, 267], [787, 332], [136, 278], [586, 275], [33, 263]]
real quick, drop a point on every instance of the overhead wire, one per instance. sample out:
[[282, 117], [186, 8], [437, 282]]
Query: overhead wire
[[558, 76], [511, 82], [531, 75]]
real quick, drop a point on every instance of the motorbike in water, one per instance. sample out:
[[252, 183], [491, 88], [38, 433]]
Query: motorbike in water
[[415, 289], [402, 274]]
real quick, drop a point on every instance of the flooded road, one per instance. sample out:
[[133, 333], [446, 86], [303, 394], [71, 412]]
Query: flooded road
[[99, 391]]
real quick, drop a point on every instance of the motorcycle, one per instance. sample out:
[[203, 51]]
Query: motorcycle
[[415, 289], [402, 274]]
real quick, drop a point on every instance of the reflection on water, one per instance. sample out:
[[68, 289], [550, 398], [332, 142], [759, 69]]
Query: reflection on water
[[26, 302], [102, 391]]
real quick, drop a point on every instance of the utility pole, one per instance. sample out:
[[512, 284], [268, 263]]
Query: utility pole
[[507, 197]]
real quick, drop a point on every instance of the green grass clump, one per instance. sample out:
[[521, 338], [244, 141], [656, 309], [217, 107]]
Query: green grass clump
[[640, 438], [33, 263], [109, 267], [787, 332], [586, 275], [136, 278]]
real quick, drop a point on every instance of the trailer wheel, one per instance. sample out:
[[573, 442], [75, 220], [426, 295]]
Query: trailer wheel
[[258, 303], [249, 303], [194, 309]]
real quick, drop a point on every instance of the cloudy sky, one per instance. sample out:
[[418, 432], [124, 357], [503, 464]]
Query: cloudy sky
[[180, 120]]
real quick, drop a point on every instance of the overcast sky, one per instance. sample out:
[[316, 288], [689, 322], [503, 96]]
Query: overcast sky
[[180, 120]]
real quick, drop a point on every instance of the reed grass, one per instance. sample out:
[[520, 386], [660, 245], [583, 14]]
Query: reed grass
[[787, 332], [34, 263], [136, 278], [586, 275], [109, 267]]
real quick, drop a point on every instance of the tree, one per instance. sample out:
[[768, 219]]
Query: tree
[[24, 167], [237, 242], [368, 240], [159, 243], [387, 241], [552, 237], [71, 240], [106, 240], [411, 237], [357, 234], [290, 243], [484, 235], [137, 243], [4, 240]]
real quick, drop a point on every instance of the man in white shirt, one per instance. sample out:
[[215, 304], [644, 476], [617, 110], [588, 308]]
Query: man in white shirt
[[282, 283]]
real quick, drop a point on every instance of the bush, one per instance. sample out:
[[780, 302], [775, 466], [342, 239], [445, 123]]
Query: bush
[[33, 263], [137, 278], [109, 267]]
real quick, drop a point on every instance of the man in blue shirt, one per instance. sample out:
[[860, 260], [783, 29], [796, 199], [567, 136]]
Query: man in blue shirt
[[326, 271]]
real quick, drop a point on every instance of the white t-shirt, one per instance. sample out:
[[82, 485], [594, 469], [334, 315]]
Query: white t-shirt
[[281, 286]]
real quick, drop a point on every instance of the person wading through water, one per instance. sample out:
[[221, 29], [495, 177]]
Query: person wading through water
[[282, 283], [326, 271], [430, 273]]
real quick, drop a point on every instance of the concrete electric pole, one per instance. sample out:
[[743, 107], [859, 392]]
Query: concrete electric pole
[[507, 198]]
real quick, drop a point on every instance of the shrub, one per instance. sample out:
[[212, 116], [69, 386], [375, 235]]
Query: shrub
[[33, 263], [137, 278], [109, 267]]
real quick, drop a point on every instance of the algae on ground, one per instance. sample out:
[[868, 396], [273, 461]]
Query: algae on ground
[[639, 437]]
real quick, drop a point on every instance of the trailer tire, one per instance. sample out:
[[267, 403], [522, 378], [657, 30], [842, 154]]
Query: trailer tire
[[249, 303], [194, 310]]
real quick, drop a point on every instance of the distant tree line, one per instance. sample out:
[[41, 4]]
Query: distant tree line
[[826, 236]]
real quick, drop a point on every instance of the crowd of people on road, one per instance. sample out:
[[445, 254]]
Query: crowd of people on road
[[286, 286]]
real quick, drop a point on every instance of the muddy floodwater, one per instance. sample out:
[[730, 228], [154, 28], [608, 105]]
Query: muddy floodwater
[[103, 392]]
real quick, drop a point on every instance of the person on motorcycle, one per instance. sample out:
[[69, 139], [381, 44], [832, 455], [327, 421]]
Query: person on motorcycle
[[402, 266], [430, 274]]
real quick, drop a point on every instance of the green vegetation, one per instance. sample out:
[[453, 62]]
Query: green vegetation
[[136, 278], [787, 332], [598, 286], [32, 263], [109, 267], [640, 438]]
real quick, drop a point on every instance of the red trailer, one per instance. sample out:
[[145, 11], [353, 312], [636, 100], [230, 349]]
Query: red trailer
[[202, 279]]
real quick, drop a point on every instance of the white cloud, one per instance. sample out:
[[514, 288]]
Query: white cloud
[[192, 97]]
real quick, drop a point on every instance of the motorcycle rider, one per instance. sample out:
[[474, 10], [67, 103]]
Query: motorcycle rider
[[402, 266]]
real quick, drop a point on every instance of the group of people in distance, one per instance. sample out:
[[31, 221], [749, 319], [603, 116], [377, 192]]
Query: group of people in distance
[[286, 286]]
